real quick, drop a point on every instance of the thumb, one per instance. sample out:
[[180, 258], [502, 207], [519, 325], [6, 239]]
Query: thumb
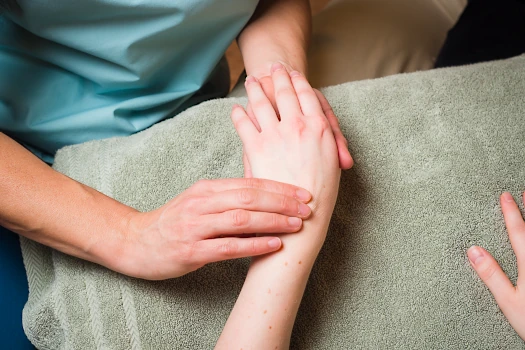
[[493, 276]]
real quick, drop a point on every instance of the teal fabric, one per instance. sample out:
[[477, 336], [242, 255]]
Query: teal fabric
[[78, 70], [13, 292]]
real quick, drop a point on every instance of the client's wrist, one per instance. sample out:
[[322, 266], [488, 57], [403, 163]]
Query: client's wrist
[[263, 69]]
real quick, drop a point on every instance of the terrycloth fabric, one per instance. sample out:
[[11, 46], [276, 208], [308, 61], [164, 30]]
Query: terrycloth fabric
[[433, 152]]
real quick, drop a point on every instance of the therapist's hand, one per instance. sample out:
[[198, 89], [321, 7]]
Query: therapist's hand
[[510, 298], [211, 221]]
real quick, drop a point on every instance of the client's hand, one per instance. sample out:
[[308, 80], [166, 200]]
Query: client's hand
[[300, 148], [345, 159], [206, 223], [511, 299]]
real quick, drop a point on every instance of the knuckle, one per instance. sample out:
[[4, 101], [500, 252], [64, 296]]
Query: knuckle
[[328, 110], [253, 183], [189, 227], [229, 249], [284, 189], [238, 123], [192, 203], [285, 91], [201, 185], [187, 254], [240, 218], [487, 271], [252, 250], [275, 221], [298, 125], [284, 203], [304, 94], [259, 103], [322, 124], [247, 196]]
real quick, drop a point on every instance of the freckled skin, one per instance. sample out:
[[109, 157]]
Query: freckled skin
[[311, 160]]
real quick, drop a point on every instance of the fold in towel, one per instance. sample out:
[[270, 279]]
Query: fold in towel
[[433, 151]]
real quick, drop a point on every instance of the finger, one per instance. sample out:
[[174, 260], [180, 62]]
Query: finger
[[250, 113], [220, 185], [515, 227], [213, 250], [267, 86], [285, 96], [493, 276], [255, 200], [240, 221], [345, 159], [243, 125], [261, 106], [247, 166], [308, 100]]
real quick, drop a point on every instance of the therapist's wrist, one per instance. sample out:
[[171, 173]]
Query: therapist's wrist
[[263, 68], [108, 245]]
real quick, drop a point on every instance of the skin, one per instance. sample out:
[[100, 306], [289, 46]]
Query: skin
[[279, 31], [510, 298], [195, 228], [211, 221], [300, 149]]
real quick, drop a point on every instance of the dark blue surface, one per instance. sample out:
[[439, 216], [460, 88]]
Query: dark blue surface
[[13, 293]]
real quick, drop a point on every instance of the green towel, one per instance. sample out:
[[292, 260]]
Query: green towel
[[433, 151]]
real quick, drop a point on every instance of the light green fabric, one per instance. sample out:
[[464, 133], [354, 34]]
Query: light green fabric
[[433, 152]]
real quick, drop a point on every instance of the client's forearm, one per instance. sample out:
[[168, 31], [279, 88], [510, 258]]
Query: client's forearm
[[265, 311]]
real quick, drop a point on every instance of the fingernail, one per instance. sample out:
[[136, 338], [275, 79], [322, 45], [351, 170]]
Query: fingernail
[[276, 66], [507, 197], [303, 195], [250, 79], [475, 255], [304, 210], [295, 74], [294, 222], [274, 243]]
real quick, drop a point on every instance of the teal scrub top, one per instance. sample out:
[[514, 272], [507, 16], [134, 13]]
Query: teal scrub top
[[78, 70]]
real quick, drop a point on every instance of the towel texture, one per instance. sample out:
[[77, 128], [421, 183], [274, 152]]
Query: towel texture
[[433, 152]]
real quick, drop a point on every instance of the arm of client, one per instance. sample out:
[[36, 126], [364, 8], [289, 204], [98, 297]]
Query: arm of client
[[299, 149], [510, 298], [279, 31]]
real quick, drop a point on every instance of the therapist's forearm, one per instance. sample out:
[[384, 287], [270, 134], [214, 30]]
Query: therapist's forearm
[[279, 31], [45, 206]]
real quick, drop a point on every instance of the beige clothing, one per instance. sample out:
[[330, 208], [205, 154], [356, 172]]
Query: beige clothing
[[365, 39]]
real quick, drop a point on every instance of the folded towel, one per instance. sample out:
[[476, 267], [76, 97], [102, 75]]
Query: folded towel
[[433, 151]]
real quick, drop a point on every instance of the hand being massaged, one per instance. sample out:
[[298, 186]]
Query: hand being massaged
[[292, 143], [294, 139]]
